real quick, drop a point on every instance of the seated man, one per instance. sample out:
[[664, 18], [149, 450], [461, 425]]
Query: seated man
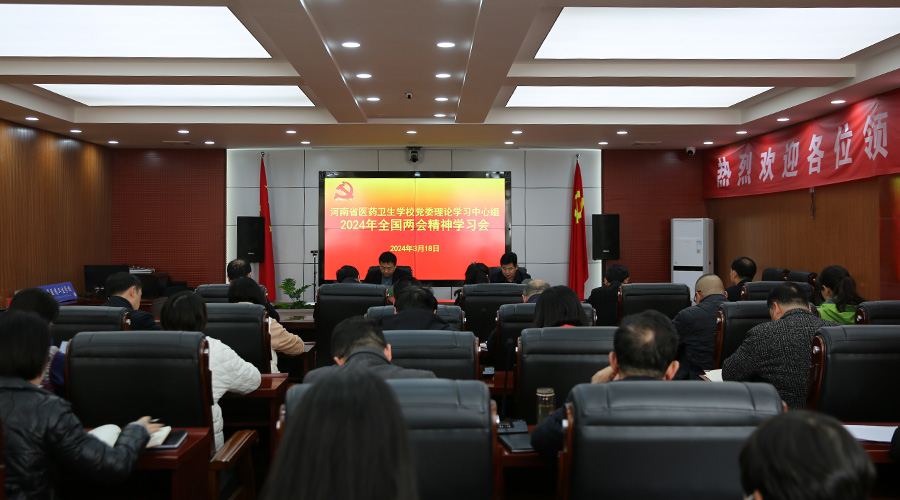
[[387, 273], [240, 268], [415, 308], [779, 352], [530, 294], [696, 327], [125, 290], [743, 269], [347, 274], [509, 270], [605, 298], [358, 344], [644, 348]]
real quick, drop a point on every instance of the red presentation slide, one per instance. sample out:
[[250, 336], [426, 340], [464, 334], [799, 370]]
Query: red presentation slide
[[437, 226]]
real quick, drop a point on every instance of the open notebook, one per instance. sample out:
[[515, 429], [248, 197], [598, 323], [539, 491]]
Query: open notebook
[[163, 439]]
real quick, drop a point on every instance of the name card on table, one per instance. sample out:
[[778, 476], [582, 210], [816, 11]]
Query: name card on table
[[61, 291]]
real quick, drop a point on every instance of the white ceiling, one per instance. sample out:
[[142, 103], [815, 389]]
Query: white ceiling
[[496, 43]]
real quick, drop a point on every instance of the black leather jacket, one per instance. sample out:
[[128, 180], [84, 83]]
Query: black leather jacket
[[42, 436]]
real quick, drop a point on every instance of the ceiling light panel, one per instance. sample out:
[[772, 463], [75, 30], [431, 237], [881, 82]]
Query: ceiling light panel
[[701, 33], [631, 97], [181, 95], [124, 31]]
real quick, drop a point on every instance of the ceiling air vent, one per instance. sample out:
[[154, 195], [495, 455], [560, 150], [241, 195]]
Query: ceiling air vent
[[178, 143], [646, 143]]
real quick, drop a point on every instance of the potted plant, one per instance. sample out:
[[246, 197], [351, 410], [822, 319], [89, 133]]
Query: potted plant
[[289, 287]]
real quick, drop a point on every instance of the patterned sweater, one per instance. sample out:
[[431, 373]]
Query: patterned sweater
[[779, 353]]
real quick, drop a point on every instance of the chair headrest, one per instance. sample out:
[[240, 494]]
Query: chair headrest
[[137, 344], [234, 313], [352, 289], [517, 313], [637, 289], [440, 344], [213, 291], [861, 339], [568, 340], [745, 309], [494, 289], [78, 315]]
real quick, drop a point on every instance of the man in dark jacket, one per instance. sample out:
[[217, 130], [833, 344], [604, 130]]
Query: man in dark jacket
[[509, 270], [743, 269], [124, 290], [605, 298], [414, 309], [696, 327], [358, 344], [387, 273]]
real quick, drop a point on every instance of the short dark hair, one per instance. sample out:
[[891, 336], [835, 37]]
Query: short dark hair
[[558, 306], [119, 283], [184, 311], [509, 258], [347, 272], [616, 273], [346, 438], [646, 344], [805, 455], [246, 290], [415, 297], [238, 268], [24, 343], [353, 333], [36, 300], [387, 257], [744, 267], [404, 283], [787, 294], [842, 285]]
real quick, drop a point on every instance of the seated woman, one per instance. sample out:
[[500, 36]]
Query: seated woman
[[346, 439], [186, 311], [246, 290], [839, 292], [41, 435], [559, 306]]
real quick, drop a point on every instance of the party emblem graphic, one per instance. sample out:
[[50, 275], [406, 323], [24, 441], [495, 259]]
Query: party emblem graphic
[[344, 191]]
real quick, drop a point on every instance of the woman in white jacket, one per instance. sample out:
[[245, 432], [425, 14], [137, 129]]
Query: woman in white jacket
[[186, 311]]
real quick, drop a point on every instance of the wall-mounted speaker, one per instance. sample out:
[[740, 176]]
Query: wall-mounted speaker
[[605, 236], [251, 242]]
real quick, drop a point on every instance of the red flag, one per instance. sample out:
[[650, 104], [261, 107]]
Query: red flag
[[267, 266], [578, 264]]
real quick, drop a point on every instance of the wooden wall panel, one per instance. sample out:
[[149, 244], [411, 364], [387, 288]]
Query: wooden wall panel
[[169, 212], [776, 230], [889, 231], [55, 208], [648, 188]]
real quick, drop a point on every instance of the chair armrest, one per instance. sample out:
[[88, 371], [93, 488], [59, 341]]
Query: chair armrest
[[237, 445]]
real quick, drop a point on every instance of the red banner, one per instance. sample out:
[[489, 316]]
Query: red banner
[[853, 143], [578, 265], [267, 266]]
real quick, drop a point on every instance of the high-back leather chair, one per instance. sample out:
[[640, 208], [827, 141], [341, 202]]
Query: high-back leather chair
[[116, 377], [452, 429], [481, 301], [511, 320], [852, 373], [660, 440], [242, 327], [774, 274], [878, 312], [451, 314], [561, 358], [448, 354], [217, 293], [75, 319], [667, 298], [810, 278], [759, 290], [336, 302], [2, 469], [733, 321]]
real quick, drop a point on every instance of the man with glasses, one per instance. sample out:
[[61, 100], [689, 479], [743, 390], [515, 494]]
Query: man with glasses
[[696, 326], [387, 273]]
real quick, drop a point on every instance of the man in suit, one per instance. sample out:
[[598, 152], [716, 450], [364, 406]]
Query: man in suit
[[387, 273], [358, 344], [124, 290], [414, 309], [240, 268], [509, 270], [696, 326], [743, 269], [605, 298]]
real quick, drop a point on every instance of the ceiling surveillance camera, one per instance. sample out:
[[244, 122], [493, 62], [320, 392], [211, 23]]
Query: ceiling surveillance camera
[[690, 151], [408, 95], [413, 154]]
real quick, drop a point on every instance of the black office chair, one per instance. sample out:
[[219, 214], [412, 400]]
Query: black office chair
[[338, 301], [76, 319], [561, 358], [733, 321], [451, 314], [217, 293], [481, 302], [660, 440], [759, 290], [242, 327], [878, 312], [511, 320], [853, 368], [448, 354], [452, 428], [667, 298], [774, 274]]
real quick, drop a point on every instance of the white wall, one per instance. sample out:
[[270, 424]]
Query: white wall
[[541, 200]]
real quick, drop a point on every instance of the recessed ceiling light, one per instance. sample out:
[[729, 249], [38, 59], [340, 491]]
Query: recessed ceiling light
[[446, 45], [517, 131], [113, 142], [439, 115], [410, 131], [373, 99], [363, 75], [304, 142], [442, 75], [31, 118], [183, 131], [741, 132], [75, 131], [181, 95], [350, 45], [782, 119], [707, 143], [838, 101], [631, 97], [622, 132], [508, 143], [603, 143], [209, 142], [290, 131], [441, 99]]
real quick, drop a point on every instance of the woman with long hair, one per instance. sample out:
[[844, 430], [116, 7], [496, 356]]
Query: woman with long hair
[[839, 292], [559, 306]]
